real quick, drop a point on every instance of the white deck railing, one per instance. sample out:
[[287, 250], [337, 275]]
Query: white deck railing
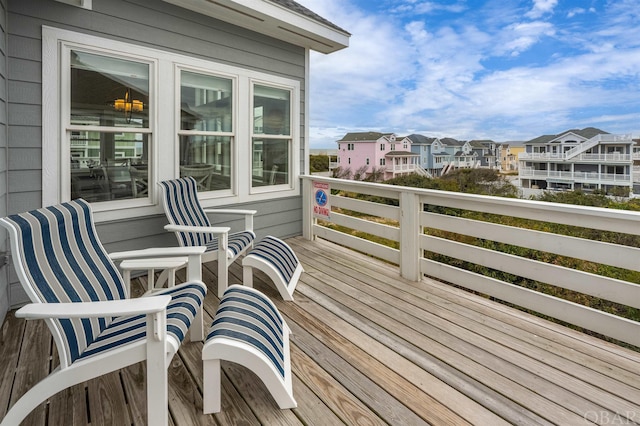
[[593, 177], [412, 219], [614, 158]]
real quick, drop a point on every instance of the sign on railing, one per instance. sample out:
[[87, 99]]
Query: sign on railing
[[321, 204]]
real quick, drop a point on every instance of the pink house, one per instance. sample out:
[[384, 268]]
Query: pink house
[[384, 154]]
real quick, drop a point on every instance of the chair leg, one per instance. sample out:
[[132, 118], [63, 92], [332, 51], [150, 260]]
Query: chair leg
[[56, 382], [157, 374], [34, 397], [223, 272], [196, 331], [211, 388], [247, 276]]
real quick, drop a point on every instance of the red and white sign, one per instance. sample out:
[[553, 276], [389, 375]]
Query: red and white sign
[[321, 204]]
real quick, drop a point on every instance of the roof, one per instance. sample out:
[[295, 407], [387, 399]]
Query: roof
[[285, 20], [587, 133], [420, 139], [401, 154], [451, 142], [363, 136], [298, 8], [481, 143]]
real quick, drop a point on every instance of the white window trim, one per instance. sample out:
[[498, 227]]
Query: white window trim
[[163, 126], [178, 67], [292, 151]]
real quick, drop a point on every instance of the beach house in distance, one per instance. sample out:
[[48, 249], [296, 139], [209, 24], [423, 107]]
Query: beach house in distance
[[364, 153], [361, 154], [579, 159]]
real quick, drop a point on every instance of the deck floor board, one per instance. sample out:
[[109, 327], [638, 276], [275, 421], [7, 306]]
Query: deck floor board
[[368, 347]]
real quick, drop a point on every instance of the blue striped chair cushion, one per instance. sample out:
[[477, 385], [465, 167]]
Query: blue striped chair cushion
[[65, 262], [250, 317], [183, 208], [238, 242], [279, 254], [186, 299]]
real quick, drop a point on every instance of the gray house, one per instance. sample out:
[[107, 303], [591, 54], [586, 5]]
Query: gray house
[[103, 99]]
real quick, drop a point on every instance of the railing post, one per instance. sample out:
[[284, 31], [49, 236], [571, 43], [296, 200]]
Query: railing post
[[307, 211], [410, 236]]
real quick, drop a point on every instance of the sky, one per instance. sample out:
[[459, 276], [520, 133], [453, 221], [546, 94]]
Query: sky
[[505, 70]]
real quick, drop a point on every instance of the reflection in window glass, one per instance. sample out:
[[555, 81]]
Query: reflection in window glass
[[208, 160], [270, 150], [108, 93], [270, 165], [123, 176], [205, 113]]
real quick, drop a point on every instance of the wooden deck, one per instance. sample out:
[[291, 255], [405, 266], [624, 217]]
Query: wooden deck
[[367, 348]]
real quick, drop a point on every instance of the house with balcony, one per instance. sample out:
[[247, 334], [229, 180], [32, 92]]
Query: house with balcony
[[487, 153], [577, 159], [509, 152], [442, 151], [422, 146], [361, 154], [217, 91]]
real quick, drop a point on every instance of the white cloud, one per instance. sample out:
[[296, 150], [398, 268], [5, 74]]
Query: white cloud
[[434, 78], [576, 11], [541, 7], [519, 37], [429, 7]]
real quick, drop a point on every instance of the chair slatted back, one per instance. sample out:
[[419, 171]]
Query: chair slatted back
[[180, 197], [62, 260]]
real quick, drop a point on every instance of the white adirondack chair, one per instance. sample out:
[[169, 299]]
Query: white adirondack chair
[[76, 288], [189, 221]]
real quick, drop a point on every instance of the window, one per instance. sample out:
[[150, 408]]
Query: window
[[350, 147], [108, 127], [206, 130], [382, 147], [393, 147], [367, 161], [349, 160], [382, 161], [122, 117], [271, 136]]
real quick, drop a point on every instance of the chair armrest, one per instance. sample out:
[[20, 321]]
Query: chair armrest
[[154, 263], [248, 215], [156, 252], [231, 211], [142, 305], [219, 230]]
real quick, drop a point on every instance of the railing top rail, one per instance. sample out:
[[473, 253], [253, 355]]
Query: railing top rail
[[592, 217]]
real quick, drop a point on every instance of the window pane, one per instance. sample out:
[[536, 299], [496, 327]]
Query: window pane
[[109, 166], [108, 91], [270, 162], [271, 111], [208, 160], [205, 103]]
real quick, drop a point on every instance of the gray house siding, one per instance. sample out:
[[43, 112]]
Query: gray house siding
[[149, 23], [4, 271]]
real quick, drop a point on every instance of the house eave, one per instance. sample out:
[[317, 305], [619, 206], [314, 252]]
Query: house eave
[[272, 20]]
